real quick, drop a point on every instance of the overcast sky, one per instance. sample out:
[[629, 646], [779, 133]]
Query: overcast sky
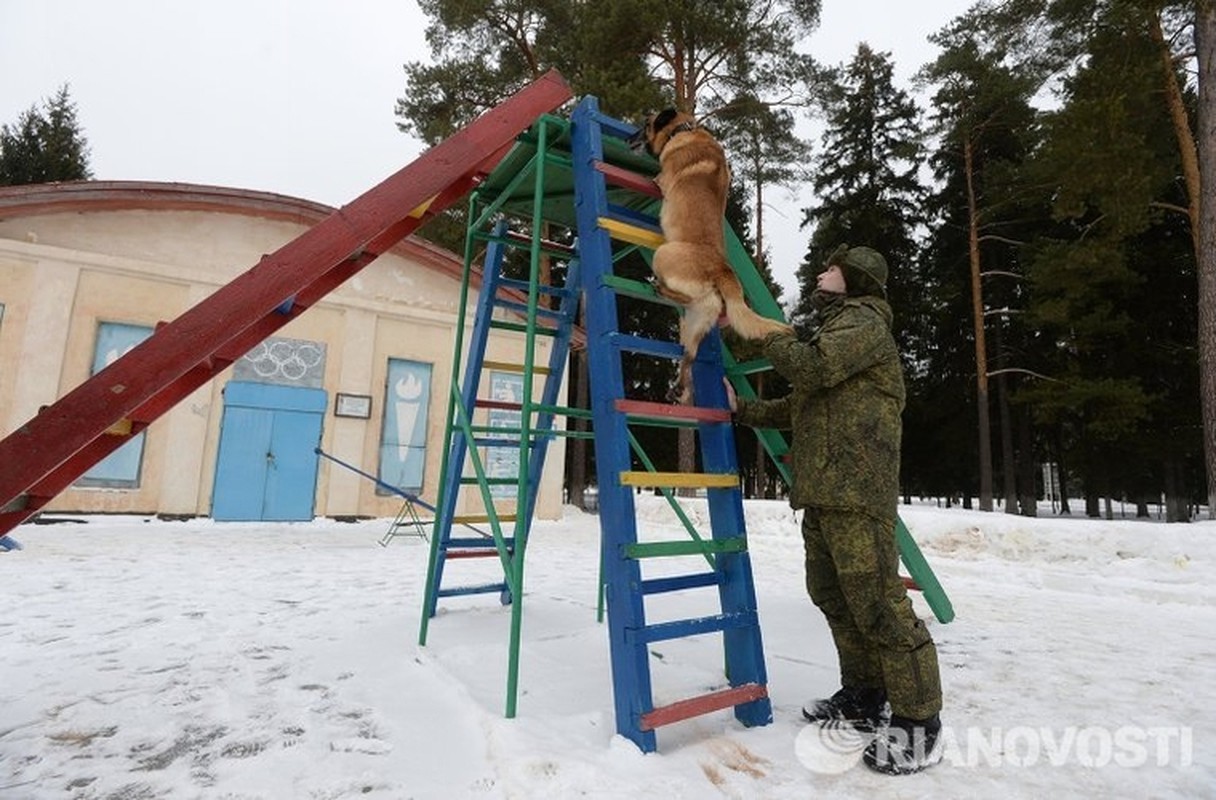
[[296, 96]]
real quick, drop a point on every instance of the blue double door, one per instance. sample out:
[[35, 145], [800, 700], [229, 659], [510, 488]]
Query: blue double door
[[266, 469]]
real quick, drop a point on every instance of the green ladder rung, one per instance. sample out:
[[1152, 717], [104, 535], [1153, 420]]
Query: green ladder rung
[[636, 289], [564, 411], [555, 249], [751, 367], [555, 433], [473, 481], [686, 547]]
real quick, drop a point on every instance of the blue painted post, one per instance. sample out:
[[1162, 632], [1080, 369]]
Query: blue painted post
[[736, 590], [618, 521]]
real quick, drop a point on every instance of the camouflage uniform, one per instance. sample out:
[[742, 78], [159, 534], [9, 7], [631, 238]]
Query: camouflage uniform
[[844, 410]]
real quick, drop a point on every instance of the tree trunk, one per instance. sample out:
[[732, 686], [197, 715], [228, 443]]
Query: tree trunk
[[981, 353], [759, 259], [1205, 40], [1177, 505], [1059, 454], [1008, 463], [1176, 105], [687, 453], [1065, 510], [576, 485], [761, 453], [1027, 496]]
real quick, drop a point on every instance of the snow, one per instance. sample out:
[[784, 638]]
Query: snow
[[149, 659]]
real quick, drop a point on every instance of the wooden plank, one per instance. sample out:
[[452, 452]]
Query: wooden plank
[[471, 554], [686, 547], [703, 704], [617, 176], [693, 480], [499, 405], [636, 289], [507, 366], [646, 408], [470, 519], [631, 233]]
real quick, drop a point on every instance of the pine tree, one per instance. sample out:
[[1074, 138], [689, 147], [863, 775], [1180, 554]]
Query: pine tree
[[1169, 34], [972, 273], [44, 145], [1097, 283], [867, 182], [1205, 47]]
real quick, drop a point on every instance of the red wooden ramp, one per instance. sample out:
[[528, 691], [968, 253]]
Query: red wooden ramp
[[43, 456]]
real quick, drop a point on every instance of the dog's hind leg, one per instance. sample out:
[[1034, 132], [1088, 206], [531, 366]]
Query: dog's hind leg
[[699, 318], [677, 271]]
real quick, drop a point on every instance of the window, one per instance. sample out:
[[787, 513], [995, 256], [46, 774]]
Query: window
[[120, 469], [407, 400], [503, 462]]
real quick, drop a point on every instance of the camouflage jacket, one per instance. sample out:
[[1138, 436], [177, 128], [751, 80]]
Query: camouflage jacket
[[844, 406]]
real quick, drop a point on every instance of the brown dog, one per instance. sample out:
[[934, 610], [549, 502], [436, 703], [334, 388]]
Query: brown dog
[[691, 265]]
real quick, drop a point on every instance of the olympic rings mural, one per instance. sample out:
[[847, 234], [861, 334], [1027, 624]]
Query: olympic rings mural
[[295, 362]]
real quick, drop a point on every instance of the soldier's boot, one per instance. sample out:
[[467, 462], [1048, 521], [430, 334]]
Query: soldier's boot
[[905, 746], [865, 709]]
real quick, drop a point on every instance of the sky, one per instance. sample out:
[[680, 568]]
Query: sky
[[263, 661], [296, 96]]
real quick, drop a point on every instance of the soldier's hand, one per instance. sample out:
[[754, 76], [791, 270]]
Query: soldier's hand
[[731, 400]]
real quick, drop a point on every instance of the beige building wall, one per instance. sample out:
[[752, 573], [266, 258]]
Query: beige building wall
[[145, 253]]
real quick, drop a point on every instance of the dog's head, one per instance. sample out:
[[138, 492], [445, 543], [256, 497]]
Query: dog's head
[[658, 130]]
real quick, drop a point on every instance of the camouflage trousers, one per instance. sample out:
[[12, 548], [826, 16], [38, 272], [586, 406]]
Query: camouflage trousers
[[852, 576]]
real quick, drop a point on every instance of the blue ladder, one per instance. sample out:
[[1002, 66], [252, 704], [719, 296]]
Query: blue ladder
[[604, 214]]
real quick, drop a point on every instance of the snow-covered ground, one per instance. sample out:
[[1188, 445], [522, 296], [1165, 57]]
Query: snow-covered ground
[[144, 659]]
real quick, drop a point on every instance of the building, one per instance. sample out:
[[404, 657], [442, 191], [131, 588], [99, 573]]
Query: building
[[88, 269]]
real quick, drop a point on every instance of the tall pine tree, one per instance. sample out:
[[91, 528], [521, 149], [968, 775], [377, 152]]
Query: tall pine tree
[[867, 184], [972, 273], [1098, 283], [44, 145]]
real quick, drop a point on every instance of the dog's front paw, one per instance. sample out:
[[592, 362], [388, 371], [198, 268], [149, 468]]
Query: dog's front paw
[[680, 396]]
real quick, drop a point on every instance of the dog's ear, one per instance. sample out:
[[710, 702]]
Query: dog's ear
[[663, 119]]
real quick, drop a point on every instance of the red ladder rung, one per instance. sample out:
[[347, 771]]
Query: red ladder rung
[[499, 405], [647, 408], [629, 180], [703, 704]]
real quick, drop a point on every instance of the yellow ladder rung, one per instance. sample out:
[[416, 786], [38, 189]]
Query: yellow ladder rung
[[696, 480], [631, 233], [473, 519], [507, 366]]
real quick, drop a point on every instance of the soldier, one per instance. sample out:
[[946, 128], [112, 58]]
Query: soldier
[[844, 405]]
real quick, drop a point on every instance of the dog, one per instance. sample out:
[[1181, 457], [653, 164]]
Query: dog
[[691, 266]]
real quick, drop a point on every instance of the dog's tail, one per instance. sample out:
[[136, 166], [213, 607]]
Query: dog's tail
[[747, 323]]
